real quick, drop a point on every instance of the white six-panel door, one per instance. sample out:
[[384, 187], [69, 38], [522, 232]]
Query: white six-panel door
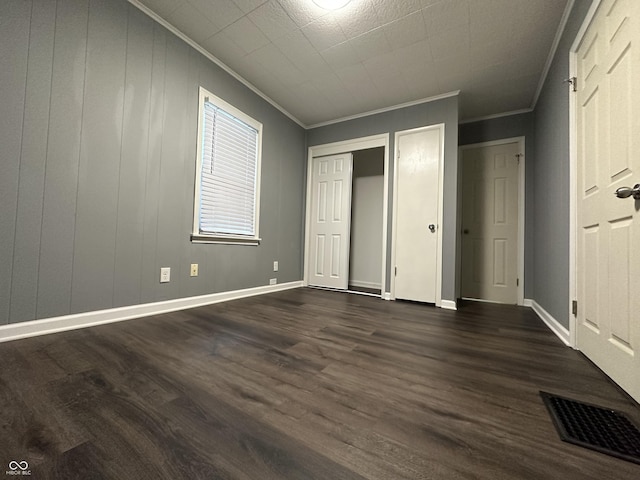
[[417, 211], [490, 223], [608, 228], [330, 221]]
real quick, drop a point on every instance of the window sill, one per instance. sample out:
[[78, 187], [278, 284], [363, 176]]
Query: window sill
[[198, 238]]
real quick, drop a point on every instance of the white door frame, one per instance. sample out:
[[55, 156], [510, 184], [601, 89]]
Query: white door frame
[[521, 196], [573, 173], [439, 126], [344, 146]]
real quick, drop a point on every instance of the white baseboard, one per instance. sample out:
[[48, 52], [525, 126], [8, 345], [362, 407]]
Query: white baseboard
[[363, 284], [448, 305], [527, 302], [555, 326], [45, 326], [387, 295]]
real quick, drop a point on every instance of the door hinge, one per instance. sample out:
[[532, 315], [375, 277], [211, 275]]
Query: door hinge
[[517, 282], [395, 271], [574, 307], [518, 156], [573, 81]]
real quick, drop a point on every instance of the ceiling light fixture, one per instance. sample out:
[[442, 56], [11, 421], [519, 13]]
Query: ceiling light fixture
[[331, 4]]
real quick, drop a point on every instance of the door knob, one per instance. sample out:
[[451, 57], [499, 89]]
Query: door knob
[[432, 227], [624, 192]]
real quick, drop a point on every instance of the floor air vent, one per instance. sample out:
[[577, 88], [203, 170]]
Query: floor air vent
[[607, 431]]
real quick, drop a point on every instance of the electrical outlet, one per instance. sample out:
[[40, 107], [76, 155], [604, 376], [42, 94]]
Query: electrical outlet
[[194, 269], [273, 281], [275, 266], [165, 274]]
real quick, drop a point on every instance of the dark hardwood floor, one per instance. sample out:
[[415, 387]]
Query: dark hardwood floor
[[303, 384]]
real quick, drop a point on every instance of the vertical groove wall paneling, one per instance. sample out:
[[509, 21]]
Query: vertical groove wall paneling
[[292, 179], [14, 48], [150, 274], [98, 134], [95, 235], [269, 218], [171, 238], [63, 150], [133, 161], [24, 285], [191, 253]]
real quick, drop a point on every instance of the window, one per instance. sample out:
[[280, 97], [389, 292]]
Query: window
[[227, 190]]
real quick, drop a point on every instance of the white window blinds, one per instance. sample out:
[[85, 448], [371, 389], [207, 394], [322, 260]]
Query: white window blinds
[[228, 174]]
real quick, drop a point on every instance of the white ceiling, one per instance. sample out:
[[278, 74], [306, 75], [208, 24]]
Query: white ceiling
[[373, 54]]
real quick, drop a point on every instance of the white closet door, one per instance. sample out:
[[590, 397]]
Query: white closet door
[[330, 221]]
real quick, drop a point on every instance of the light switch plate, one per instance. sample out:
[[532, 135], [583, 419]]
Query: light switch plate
[[194, 269]]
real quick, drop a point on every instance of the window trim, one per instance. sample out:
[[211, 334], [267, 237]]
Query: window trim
[[196, 235]]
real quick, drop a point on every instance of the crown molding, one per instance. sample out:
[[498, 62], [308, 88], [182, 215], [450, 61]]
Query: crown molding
[[386, 109], [496, 115]]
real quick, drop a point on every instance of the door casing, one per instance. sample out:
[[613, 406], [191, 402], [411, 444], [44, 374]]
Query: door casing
[[521, 200], [351, 145], [573, 175]]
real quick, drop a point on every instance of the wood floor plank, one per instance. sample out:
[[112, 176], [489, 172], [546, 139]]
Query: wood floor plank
[[303, 384]]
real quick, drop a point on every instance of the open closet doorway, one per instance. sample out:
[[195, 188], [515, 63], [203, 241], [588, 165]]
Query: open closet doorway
[[367, 201], [346, 218]]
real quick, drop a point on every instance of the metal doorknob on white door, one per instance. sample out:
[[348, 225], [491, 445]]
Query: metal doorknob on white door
[[625, 192], [432, 227]]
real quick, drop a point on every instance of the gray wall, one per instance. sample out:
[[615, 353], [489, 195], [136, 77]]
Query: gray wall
[[98, 127], [521, 125], [498, 128], [551, 179], [440, 111]]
